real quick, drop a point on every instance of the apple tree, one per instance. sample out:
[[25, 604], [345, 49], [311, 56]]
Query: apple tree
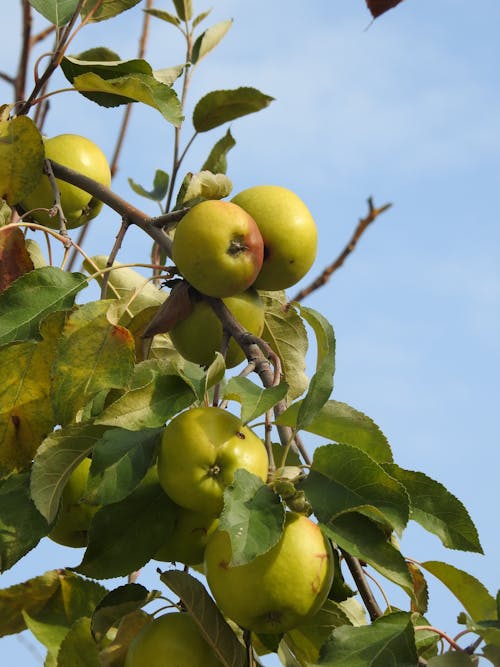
[[124, 431]]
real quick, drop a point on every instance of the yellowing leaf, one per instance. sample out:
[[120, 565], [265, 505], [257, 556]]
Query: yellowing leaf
[[21, 158]]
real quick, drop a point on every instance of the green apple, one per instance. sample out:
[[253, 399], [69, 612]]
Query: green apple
[[82, 155], [289, 233], [278, 590], [218, 248], [187, 542], [171, 640], [199, 335], [74, 515], [200, 451]]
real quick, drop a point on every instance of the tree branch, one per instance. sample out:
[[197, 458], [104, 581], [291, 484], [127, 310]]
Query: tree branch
[[321, 280]]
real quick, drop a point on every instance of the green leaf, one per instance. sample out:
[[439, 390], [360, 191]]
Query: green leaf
[[164, 16], [362, 538], [58, 12], [184, 9], [254, 400], [57, 597], [120, 459], [205, 185], [26, 414], [149, 404], [31, 595], [285, 332], [452, 659], [493, 654], [128, 284], [32, 297], [306, 640], [124, 536], [208, 40], [93, 354], [253, 516], [117, 604], [211, 623], [200, 380], [106, 9], [470, 592], [321, 384], [21, 525], [345, 479], [21, 158], [160, 187], [390, 640], [216, 162], [57, 457], [138, 87], [201, 17], [437, 510], [222, 106], [342, 423], [168, 75], [78, 649]]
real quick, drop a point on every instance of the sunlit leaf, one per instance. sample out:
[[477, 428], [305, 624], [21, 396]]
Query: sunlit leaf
[[58, 12], [321, 384], [120, 459], [21, 158], [470, 592], [345, 479], [159, 190], [362, 538], [208, 40], [285, 332], [207, 185], [105, 9], [255, 400], [222, 106], [93, 354], [184, 9], [342, 423], [437, 510], [15, 259], [390, 640], [253, 517], [57, 457], [212, 624], [216, 162], [33, 296], [164, 16], [26, 414]]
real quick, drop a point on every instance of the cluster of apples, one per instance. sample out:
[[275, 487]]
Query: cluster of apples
[[200, 451], [265, 238]]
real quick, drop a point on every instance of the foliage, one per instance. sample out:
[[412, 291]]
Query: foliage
[[81, 380]]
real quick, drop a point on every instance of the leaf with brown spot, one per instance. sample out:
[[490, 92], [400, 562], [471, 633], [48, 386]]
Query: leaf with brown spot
[[14, 257], [378, 7]]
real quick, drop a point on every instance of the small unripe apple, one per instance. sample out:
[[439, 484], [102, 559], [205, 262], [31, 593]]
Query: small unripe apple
[[82, 155], [199, 336], [171, 640], [278, 590], [289, 233], [74, 515], [218, 248], [200, 451]]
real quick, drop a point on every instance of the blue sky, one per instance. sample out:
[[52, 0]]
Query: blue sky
[[406, 110]]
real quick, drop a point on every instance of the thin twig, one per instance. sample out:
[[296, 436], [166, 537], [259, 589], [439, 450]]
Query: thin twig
[[22, 68], [321, 280], [362, 585], [112, 255], [123, 128], [47, 167]]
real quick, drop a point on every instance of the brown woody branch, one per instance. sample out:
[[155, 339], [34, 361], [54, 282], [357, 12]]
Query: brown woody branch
[[373, 213]]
